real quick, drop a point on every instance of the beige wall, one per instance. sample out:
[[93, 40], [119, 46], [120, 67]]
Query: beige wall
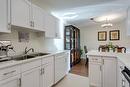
[[89, 36]]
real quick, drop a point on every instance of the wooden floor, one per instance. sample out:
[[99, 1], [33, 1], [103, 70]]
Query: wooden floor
[[80, 69]]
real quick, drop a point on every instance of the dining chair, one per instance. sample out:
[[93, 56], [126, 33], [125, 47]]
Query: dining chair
[[86, 51]]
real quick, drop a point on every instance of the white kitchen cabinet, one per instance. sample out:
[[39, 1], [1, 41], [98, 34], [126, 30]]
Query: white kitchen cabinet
[[54, 27], [59, 27], [50, 31], [60, 66], [14, 81], [120, 77], [20, 13], [122, 82], [47, 72], [31, 78], [95, 75], [48, 75], [4, 16], [37, 18], [103, 71], [109, 72], [128, 22], [95, 72]]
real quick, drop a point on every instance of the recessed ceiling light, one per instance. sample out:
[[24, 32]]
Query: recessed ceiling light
[[69, 15]]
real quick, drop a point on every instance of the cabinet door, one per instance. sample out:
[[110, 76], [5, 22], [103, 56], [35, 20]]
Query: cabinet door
[[60, 67], [50, 26], [109, 72], [11, 82], [48, 76], [128, 22], [37, 18], [59, 27], [95, 74], [20, 13], [31, 78], [4, 16]]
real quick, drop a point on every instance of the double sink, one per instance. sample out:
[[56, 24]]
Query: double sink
[[28, 56]]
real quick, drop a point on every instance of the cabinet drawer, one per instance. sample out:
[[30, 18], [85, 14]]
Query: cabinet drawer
[[9, 72], [95, 59], [60, 55], [49, 59], [30, 65]]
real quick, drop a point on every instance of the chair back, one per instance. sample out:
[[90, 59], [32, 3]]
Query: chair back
[[85, 49]]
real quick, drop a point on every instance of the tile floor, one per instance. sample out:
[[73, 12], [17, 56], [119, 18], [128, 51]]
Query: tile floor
[[72, 80]]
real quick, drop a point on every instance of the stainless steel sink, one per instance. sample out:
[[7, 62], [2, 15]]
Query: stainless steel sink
[[28, 56]]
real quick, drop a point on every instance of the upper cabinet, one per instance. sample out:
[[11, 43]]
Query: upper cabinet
[[20, 13], [128, 21], [26, 15], [23, 13], [52, 26], [37, 18], [49, 26], [4, 17]]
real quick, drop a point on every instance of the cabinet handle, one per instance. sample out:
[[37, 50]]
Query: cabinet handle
[[9, 72], [43, 70], [100, 68], [31, 23], [20, 82], [9, 26], [103, 61], [123, 83]]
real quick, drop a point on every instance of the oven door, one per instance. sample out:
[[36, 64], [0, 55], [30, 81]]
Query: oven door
[[126, 75]]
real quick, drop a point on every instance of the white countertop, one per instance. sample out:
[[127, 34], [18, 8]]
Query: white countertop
[[124, 57], [13, 62]]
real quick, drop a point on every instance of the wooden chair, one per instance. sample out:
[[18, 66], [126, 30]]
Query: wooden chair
[[103, 48], [120, 49], [86, 51]]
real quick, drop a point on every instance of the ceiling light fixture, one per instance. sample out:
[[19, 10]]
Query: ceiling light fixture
[[107, 24]]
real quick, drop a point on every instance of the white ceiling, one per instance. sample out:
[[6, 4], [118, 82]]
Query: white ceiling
[[85, 9], [59, 5]]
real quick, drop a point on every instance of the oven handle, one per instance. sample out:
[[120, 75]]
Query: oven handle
[[126, 76]]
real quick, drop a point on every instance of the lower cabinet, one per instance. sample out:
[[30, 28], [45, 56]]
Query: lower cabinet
[[60, 66], [31, 78], [14, 81], [103, 71], [47, 74], [37, 73], [109, 72], [95, 75]]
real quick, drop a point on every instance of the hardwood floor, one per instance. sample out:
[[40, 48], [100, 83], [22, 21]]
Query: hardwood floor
[[80, 69]]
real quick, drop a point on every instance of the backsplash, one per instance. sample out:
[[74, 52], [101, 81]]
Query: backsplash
[[19, 47]]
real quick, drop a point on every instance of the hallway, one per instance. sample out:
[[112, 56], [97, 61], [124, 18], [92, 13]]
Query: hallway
[[80, 69]]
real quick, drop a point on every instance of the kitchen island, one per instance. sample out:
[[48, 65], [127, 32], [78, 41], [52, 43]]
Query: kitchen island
[[104, 68]]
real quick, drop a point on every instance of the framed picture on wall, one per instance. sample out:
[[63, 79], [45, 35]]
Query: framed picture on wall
[[102, 36], [114, 35]]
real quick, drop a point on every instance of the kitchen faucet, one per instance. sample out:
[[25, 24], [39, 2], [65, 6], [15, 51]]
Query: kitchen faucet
[[26, 51]]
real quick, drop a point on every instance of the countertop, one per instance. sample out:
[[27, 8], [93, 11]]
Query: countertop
[[13, 62], [124, 57]]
